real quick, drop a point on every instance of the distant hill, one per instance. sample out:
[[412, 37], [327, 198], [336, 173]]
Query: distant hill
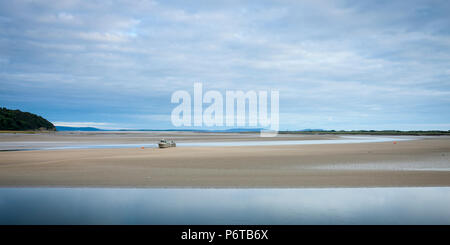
[[19, 120], [311, 130], [64, 128], [238, 130]]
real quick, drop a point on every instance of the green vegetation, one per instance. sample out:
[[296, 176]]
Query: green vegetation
[[370, 132], [18, 120]]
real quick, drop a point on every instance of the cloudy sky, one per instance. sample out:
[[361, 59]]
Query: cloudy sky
[[337, 64]]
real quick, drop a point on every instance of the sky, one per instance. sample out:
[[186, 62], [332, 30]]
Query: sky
[[339, 65]]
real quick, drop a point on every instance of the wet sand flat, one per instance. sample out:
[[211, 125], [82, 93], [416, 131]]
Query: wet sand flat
[[421, 162], [68, 139]]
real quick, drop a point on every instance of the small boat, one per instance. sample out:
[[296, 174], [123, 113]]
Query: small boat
[[166, 144]]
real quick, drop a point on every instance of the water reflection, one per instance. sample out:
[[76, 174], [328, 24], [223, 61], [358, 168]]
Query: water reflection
[[27, 146], [225, 206]]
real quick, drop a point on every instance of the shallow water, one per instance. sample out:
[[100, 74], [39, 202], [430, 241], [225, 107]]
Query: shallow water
[[22, 146], [428, 205]]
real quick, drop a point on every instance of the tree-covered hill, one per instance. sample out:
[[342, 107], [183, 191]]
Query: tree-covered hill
[[18, 120]]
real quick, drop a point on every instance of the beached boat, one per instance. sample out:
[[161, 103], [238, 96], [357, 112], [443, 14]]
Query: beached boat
[[166, 144]]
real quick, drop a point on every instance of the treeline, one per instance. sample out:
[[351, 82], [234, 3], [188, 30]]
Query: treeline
[[19, 120], [371, 132]]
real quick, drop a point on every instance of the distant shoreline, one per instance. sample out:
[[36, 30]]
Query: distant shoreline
[[301, 132], [372, 132]]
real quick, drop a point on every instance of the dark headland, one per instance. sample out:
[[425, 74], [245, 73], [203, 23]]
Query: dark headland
[[18, 120]]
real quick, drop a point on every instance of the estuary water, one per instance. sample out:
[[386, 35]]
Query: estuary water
[[36, 145], [427, 205]]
